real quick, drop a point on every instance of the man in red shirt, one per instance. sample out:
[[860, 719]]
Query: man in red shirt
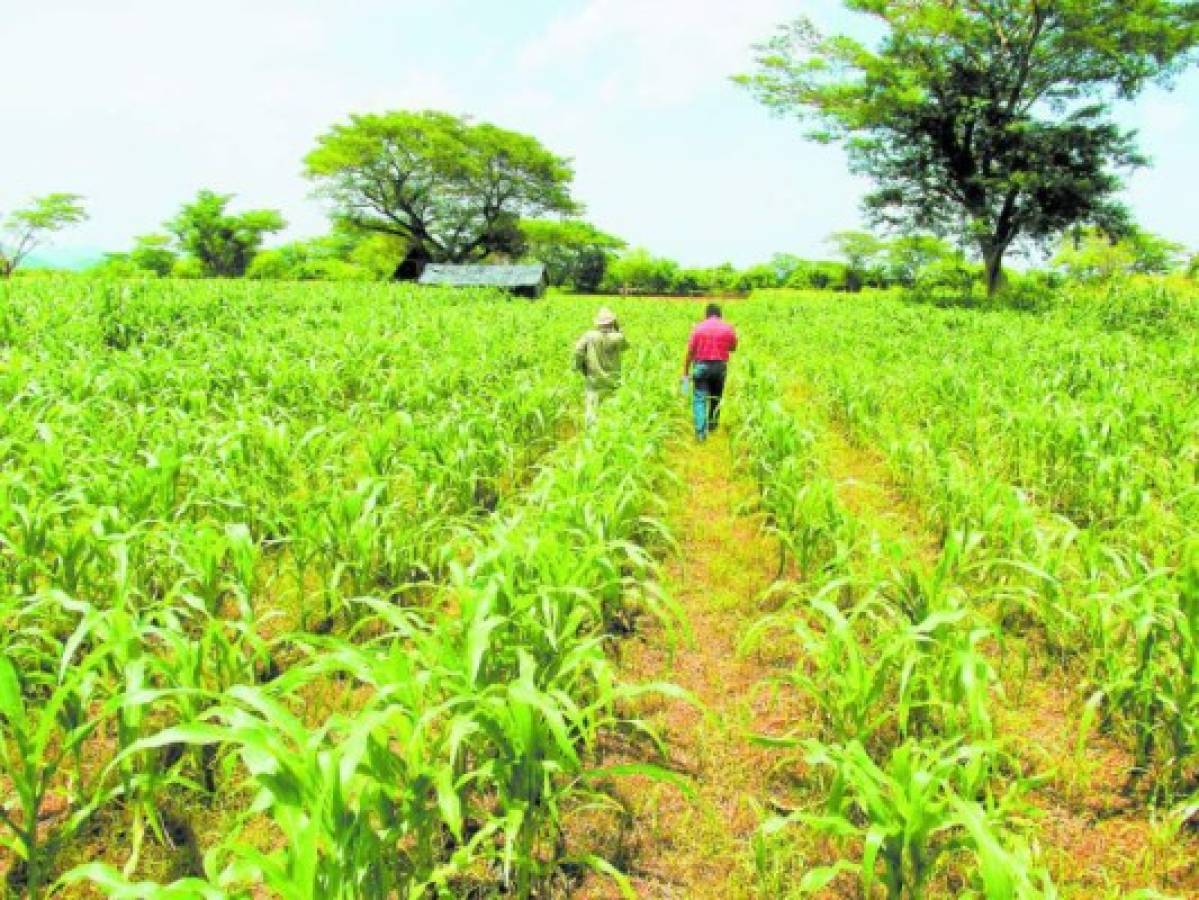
[[712, 340]]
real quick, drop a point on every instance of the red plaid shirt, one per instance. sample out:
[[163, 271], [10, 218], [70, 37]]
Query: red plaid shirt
[[712, 340]]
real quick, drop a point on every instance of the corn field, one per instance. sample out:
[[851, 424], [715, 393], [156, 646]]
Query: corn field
[[319, 591], [1053, 465]]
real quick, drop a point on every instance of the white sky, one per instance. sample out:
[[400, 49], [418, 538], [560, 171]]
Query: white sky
[[137, 104]]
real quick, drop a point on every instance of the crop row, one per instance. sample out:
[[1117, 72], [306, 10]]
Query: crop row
[[904, 774], [1067, 463], [209, 644], [898, 654]]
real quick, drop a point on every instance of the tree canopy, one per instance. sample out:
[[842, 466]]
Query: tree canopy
[[453, 190], [27, 228], [223, 244], [988, 119], [575, 253]]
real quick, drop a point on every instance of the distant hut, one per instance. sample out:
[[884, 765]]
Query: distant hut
[[522, 281]]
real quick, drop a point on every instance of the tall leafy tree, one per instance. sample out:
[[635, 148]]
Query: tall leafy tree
[[23, 230], [988, 119], [575, 253], [453, 190], [222, 243]]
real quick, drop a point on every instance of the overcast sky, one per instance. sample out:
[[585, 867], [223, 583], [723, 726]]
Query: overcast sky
[[136, 104]]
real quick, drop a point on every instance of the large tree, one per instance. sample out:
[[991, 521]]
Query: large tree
[[988, 119], [224, 244], [25, 229], [575, 253], [453, 190]]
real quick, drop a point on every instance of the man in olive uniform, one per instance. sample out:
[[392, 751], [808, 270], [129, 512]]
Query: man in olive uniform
[[597, 357]]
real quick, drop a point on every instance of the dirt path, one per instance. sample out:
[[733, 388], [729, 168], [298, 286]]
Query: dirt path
[[699, 848]]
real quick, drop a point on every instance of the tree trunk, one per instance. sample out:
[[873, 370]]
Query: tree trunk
[[413, 264], [993, 265]]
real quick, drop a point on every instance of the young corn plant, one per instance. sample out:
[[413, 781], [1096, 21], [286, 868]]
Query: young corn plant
[[837, 669], [343, 797], [46, 717], [924, 810], [1149, 679]]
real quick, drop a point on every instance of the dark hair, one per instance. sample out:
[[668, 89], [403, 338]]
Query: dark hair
[[712, 310]]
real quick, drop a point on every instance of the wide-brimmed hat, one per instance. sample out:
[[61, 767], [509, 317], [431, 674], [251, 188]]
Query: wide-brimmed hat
[[605, 317]]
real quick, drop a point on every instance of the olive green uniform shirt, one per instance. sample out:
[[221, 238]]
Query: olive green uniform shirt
[[597, 356]]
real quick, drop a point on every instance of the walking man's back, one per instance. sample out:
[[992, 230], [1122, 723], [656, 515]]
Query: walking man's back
[[712, 340], [597, 357]]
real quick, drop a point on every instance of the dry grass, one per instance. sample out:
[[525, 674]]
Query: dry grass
[[697, 848]]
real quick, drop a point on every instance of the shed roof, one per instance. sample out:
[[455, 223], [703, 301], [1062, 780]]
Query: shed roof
[[529, 275]]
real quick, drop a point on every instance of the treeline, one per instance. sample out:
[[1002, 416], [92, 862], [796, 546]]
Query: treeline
[[924, 264], [407, 189], [206, 240]]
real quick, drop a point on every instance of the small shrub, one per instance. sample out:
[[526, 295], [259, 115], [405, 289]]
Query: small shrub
[[948, 283]]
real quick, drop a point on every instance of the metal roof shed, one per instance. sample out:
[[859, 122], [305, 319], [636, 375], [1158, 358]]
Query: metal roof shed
[[523, 281]]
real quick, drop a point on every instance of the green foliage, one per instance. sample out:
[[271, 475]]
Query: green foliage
[[152, 256], [117, 265], [153, 253], [862, 252], [25, 229], [318, 259], [1154, 687], [341, 255], [576, 254], [41, 738], [188, 268], [908, 256], [987, 120], [820, 276], [1090, 255], [452, 190], [346, 617], [223, 244], [378, 254], [948, 282], [1140, 305], [638, 271], [923, 806], [1059, 519]]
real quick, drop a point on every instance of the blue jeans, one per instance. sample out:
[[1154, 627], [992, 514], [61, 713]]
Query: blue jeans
[[708, 381]]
